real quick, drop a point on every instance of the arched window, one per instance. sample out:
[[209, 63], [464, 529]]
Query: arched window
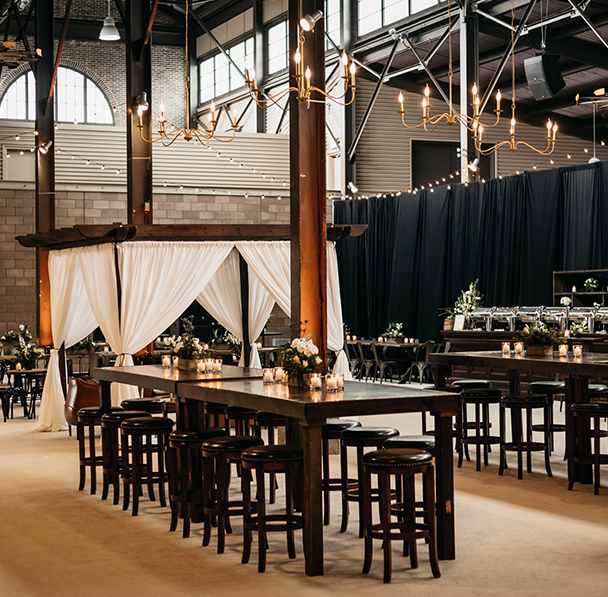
[[77, 99]]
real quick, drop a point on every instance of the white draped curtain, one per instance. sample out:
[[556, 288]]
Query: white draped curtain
[[71, 320]]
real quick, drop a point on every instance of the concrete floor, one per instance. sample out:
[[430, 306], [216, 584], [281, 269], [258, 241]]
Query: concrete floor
[[529, 537]]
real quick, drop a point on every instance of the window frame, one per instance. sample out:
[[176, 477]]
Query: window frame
[[386, 25], [242, 39], [56, 98]]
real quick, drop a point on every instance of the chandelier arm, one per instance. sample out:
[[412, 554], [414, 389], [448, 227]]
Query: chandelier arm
[[410, 126], [271, 100], [547, 151]]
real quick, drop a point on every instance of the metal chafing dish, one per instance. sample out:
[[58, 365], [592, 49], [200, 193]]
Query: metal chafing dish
[[584, 314], [529, 315], [482, 315], [601, 315], [505, 315], [556, 315]]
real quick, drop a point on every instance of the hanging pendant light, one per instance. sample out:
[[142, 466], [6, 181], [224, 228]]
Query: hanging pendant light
[[109, 32]]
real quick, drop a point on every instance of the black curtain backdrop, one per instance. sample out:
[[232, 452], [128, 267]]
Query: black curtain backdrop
[[422, 249]]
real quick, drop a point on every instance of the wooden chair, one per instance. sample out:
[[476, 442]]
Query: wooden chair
[[81, 394]]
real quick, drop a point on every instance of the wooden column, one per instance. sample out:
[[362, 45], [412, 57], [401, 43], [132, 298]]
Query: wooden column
[[139, 78], [45, 163], [244, 271], [307, 173]]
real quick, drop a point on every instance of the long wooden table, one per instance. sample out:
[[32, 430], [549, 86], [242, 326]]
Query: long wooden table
[[576, 373], [306, 413]]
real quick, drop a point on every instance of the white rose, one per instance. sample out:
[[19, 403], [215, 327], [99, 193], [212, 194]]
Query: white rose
[[294, 343], [307, 352], [304, 363], [314, 349], [22, 327], [296, 359]]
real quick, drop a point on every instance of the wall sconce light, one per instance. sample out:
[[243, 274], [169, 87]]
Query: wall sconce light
[[44, 148], [141, 103], [474, 165], [309, 21], [352, 187]]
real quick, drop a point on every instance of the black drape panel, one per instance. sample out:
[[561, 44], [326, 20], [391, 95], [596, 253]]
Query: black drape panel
[[510, 233]]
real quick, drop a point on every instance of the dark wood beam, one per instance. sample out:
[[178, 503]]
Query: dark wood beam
[[64, 30], [244, 274], [45, 163], [139, 79], [152, 15]]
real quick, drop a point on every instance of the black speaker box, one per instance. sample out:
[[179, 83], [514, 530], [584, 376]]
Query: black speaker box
[[543, 75]]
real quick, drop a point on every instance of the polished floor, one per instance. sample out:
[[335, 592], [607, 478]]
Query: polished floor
[[530, 537]]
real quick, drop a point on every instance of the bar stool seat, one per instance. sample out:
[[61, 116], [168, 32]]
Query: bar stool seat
[[218, 453], [414, 442], [404, 464], [264, 419], [554, 387], [517, 404], [592, 411], [89, 417], [110, 424], [269, 459], [331, 431], [150, 405], [359, 438], [598, 388], [242, 418], [142, 431], [184, 465], [214, 414], [472, 384]]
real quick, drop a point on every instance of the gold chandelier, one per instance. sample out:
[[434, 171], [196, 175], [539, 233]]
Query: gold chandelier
[[303, 88], [512, 143], [202, 136], [451, 117]]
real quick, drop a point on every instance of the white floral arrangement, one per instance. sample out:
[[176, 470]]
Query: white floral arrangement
[[394, 330], [577, 329], [301, 356], [565, 301], [13, 336], [187, 346], [591, 284]]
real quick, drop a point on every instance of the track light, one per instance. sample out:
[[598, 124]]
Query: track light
[[352, 188], [44, 148], [474, 165], [309, 21], [109, 32], [141, 103]]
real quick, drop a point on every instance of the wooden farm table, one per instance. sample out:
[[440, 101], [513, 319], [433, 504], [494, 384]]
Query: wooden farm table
[[307, 412], [575, 371]]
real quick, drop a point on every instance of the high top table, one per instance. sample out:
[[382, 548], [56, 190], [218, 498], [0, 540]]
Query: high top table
[[576, 372], [306, 413]]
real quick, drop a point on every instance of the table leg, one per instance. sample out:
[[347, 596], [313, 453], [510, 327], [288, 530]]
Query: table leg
[[444, 470], [106, 395], [293, 438], [578, 432], [312, 499], [440, 374], [514, 382], [192, 415]]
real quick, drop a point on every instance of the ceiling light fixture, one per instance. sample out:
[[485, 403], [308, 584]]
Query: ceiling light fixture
[[109, 32], [44, 148], [352, 187]]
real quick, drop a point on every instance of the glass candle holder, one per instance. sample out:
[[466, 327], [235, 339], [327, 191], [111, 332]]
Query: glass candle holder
[[175, 362], [209, 364], [340, 380], [279, 374], [315, 382], [18, 366], [106, 348], [217, 366], [267, 376], [354, 338], [519, 348], [577, 350], [166, 361], [506, 347], [331, 383], [563, 350]]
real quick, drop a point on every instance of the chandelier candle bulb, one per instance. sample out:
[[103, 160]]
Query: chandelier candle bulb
[[519, 347], [506, 347], [166, 361], [577, 350], [563, 350]]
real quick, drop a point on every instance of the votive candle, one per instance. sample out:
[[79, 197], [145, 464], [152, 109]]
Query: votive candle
[[166, 360], [315, 381], [577, 350], [175, 361], [279, 373], [563, 350], [267, 376], [106, 349], [200, 366], [331, 382], [354, 338], [217, 366], [506, 347], [340, 380], [18, 367], [519, 347]]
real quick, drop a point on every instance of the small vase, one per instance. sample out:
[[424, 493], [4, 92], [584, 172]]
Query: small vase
[[186, 364], [299, 380], [539, 351], [448, 325]]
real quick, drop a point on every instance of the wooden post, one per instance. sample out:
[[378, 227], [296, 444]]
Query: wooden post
[[307, 173], [245, 310], [45, 164], [139, 79]]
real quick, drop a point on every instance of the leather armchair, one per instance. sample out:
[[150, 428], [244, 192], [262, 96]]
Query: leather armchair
[[80, 394]]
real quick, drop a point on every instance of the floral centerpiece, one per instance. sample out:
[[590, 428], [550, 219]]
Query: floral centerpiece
[[467, 301], [27, 354], [301, 360], [577, 329], [394, 331], [539, 341], [85, 345], [16, 336], [565, 301], [591, 284], [234, 343], [187, 346]]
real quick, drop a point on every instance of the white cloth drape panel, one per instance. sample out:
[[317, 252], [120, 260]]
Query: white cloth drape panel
[[260, 308], [99, 272], [71, 319], [159, 280], [271, 263]]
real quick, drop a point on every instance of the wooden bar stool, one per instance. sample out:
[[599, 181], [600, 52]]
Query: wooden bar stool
[[89, 418], [592, 411], [214, 414], [270, 422], [242, 417], [359, 438], [153, 406], [218, 454], [403, 464], [185, 469], [550, 389], [517, 405], [481, 398], [137, 437], [332, 430], [263, 460], [110, 424]]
